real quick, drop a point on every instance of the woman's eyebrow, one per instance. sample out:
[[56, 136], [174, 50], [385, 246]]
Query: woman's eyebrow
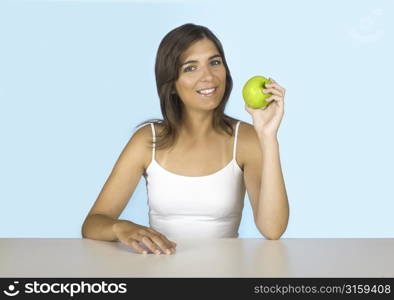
[[196, 61]]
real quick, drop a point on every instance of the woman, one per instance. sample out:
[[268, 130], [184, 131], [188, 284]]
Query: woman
[[197, 161]]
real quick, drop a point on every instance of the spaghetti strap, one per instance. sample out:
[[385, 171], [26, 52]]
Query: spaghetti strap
[[154, 140], [235, 139]]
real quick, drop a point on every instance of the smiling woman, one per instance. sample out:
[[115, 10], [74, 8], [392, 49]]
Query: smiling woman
[[184, 54], [205, 45], [189, 86], [197, 161]]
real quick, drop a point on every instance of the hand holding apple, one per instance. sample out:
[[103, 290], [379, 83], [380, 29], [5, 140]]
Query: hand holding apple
[[266, 120]]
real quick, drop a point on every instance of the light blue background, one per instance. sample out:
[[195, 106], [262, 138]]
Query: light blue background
[[76, 77]]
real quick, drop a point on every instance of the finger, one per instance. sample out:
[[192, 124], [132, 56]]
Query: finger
[[272, 91], [277, 87], [149, 243], [277, 99], [136, 246], [273, 98], [274, 84], [158, 239], [170, 244], [164, 246], [272, 80]]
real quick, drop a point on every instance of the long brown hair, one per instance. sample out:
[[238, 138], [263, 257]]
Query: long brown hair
[[166, 70]]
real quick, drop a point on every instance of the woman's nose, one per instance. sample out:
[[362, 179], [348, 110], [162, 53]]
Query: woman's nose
[[207, 74]]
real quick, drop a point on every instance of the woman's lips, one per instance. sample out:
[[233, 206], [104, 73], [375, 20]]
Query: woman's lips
[[208, 95]]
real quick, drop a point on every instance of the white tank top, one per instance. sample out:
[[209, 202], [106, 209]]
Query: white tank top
[[195, 206]]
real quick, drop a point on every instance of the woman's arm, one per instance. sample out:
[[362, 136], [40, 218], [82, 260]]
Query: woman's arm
[[118, 188], [263, 174], [264, 182], [102, 221], [272, 206]]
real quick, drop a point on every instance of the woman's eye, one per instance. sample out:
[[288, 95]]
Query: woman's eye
[[216, 62], [192, 68], [189, 68]]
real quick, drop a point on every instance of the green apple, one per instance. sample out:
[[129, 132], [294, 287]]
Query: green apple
[[253, 92]]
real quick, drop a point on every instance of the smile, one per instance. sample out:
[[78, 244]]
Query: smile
[[207, 92]]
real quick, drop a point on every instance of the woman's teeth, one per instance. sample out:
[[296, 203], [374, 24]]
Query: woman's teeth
[[207, 92]]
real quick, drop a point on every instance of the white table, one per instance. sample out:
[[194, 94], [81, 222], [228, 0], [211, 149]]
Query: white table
[[356, 257]]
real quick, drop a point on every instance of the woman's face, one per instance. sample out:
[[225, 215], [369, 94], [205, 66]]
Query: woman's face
[[202, 76]]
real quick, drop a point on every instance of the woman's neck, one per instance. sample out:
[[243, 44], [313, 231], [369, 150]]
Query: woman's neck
[[198, 126]]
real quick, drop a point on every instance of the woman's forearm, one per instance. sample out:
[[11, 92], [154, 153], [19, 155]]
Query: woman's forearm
[[273, 206]]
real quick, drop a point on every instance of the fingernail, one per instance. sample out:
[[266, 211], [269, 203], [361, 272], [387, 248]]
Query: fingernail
[[168, 251], [144, 252]]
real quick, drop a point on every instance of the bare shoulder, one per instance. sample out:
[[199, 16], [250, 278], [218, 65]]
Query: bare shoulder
[[248, 131], [140, 144], [247, 134], [248, 144]]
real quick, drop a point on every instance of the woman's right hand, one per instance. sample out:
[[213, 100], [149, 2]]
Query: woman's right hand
[[134, 235]]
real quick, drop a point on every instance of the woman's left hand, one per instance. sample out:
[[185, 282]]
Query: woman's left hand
[[266, 120]]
